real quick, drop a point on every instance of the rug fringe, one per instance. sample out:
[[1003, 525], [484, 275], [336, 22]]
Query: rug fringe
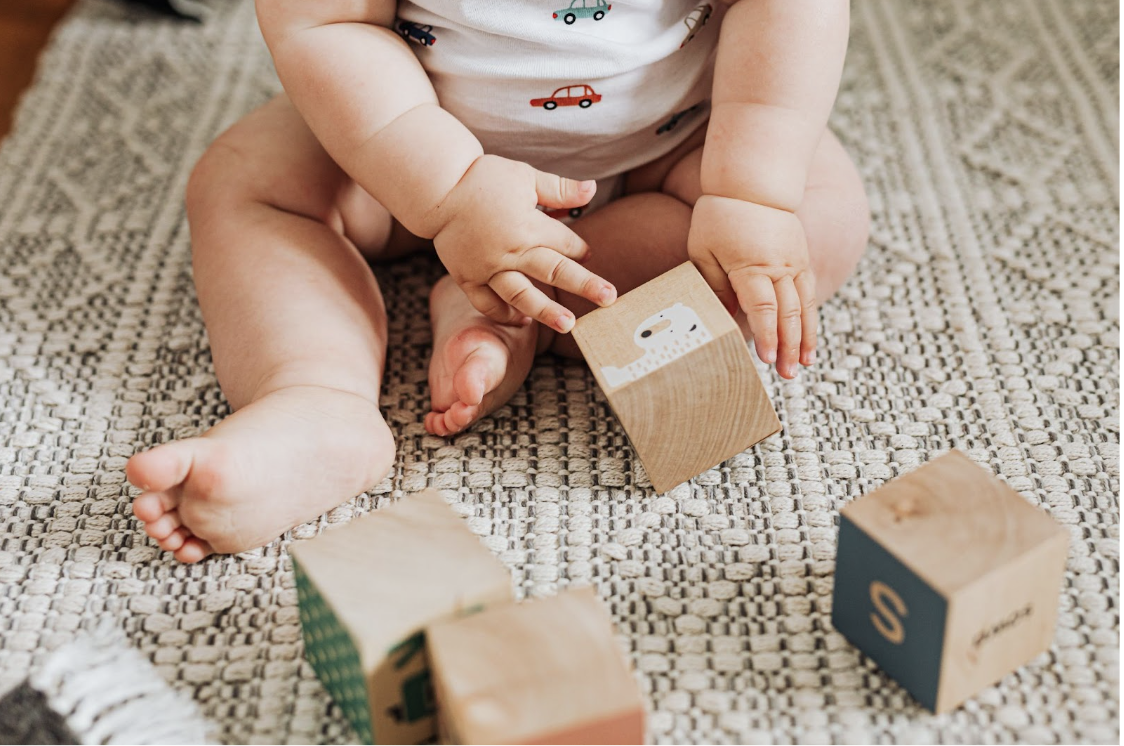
[[109, 694]]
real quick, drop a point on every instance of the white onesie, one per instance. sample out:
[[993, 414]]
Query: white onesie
[[587, 89]]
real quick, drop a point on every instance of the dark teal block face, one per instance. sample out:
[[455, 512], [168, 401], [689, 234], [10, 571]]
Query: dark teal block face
[[888, 612]]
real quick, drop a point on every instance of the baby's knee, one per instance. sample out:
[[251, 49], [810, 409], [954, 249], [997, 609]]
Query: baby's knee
[[838, 231], [218, 177], [855, 234]]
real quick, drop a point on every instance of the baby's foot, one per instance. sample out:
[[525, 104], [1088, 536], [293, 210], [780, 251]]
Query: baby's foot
[[277, 462], [477, 364]]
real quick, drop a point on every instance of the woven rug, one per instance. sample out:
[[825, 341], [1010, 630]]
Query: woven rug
[[984, 317]]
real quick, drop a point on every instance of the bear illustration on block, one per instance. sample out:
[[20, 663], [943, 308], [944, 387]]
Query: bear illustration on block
[[664, 336], [677, 371]]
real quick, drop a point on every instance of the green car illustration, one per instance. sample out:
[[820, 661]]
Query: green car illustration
[[595, 9]]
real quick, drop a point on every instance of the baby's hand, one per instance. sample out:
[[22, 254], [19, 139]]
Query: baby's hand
[[757, 257], [494, 242]]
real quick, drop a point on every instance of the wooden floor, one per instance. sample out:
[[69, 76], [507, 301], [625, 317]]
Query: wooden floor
[[24, 28]]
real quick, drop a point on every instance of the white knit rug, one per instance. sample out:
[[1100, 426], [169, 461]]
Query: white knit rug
[[984, 318]]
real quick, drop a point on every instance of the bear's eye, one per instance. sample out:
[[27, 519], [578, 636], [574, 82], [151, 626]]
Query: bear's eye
[[693, 327], [646, 333]]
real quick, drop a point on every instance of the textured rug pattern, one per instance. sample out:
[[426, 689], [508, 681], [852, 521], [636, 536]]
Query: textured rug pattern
[[984, 317]]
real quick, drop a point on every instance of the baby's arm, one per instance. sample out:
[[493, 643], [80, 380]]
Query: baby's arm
[[369, 102], [776, 77]]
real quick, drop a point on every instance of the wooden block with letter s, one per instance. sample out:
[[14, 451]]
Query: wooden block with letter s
[[677, 371], [368, 590], [542, 671], [948, 579]]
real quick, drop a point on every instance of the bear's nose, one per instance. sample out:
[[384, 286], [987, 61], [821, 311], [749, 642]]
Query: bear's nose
[[657, 327]]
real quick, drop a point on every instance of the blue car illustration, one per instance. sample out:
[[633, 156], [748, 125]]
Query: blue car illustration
[[417, 33], [595, 9]]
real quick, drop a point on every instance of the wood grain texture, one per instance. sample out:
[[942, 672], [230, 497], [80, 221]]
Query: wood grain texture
[[386, 584], [25, 26], [701, 401], [995, 560], [951, 520], [544, 671], [1002, 621]]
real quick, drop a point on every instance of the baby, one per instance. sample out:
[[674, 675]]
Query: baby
[[556, 153]]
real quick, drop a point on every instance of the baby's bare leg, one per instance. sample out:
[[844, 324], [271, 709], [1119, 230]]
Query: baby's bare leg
[[298, 336]]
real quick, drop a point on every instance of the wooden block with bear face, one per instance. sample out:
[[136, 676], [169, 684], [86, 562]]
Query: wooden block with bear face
[[948, 579], [543, 671], [678, 373], [368, 590]]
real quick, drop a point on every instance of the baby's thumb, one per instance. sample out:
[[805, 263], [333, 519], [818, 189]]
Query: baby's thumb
[[558, 191]]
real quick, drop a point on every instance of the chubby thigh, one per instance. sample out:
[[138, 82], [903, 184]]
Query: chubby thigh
[[271, 157]]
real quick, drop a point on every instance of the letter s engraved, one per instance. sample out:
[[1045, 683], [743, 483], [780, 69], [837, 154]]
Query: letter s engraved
[[885, 621]]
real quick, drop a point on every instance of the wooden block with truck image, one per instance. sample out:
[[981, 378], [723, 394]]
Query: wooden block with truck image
[[948, 579], [542, 671], [678, 373], [368, 590]]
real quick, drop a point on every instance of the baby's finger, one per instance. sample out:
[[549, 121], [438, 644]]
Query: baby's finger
[[556, 235], [759, 301], [558, 191], [547, 265], [789, 327], [485, 300], [806, 286], [716, 277], [520, 292]]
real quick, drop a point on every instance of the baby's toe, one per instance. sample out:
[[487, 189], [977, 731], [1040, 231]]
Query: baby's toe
[[164, 525], [453, 420], [194, 549], [162, 467], [461, 415], [150, 506], [435, 424], [482, 371], [471, 380], [173, 541]]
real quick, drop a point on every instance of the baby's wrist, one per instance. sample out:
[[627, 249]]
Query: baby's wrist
[[762, 208], [414, 163], [729, 226]]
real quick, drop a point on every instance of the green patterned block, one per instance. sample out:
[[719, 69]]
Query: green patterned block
[[333, 656], [367, 593]]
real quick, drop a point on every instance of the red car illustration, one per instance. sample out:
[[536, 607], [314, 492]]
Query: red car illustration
[[570, 95], [559, 213]]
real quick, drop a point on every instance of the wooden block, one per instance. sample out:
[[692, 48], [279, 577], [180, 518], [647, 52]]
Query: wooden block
[[948, 579], [544, 671], [678, 373], [367, 592]]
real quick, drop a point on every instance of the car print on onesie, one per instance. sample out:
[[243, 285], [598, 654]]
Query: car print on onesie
[[417, 33], [578, 94], [561, 213], [675, 118], [695, 20], [595, 9]]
